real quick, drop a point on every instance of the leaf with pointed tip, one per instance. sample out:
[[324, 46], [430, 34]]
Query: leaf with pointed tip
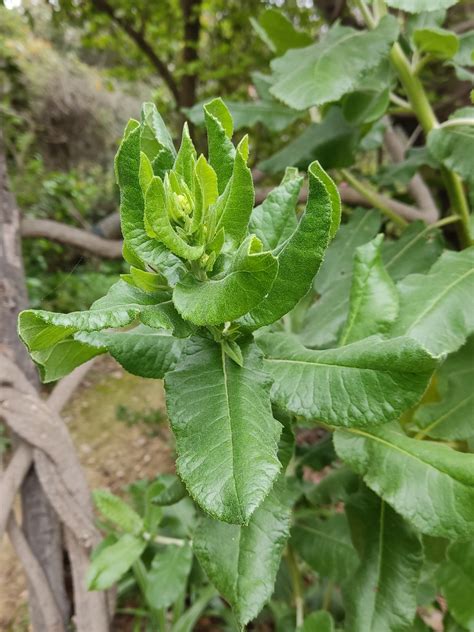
[[436, 309], [278, 33], [219, 127], [171, 491], [416, 250], [230, 294], [186, 159], [456, 578], [229, 425], [142, 350], [113, 561], [325, 71], [117, 511], [452, 417], [274, 221], [325, 545], [132, 208], [166, 580], [381, 595], [374, 298], [429, 484], [437, 42], [157, 218], [236, 204], [154, 133], [368, 382], [242, 561], [299, 257], [420, 6], [454, 145]]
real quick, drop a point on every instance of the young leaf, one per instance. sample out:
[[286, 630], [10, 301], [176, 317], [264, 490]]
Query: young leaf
[[453, 416], [454, 145], [369, 382], [232, 293], [186, 159], [157, 218], [229, 425], [117, 511], [325, 545], [219, 127], [456, 578], [236, 204], [154, 136], [374, 297], [299, 257], [141, 351], [166, 580], [436, 308], [437, 42], [242, 561], [172, 490], [320, 73], [132, 207], [112, 562], [274, 221], [381, 595], [429, 484]]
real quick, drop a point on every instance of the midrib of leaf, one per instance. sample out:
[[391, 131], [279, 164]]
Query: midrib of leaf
[[411, 243], [227, 400], [325, 364], [402, 451], [439, 298], [356, 311], [328, 50], [323, 535], [427, 429], [355, 230]]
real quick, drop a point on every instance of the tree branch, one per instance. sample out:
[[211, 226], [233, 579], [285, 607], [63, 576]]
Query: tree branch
[[143, 45], [76, 237]]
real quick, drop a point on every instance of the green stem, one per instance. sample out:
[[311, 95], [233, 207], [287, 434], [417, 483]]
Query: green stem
[[297, 585], [372, 196], [327, 598]]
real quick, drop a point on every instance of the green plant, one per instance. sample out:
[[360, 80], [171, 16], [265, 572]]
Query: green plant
[[228, 303]]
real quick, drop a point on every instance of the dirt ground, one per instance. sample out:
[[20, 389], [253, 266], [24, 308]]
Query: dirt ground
[[113, 454]]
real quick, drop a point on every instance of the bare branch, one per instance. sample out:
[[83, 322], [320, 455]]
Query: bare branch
[[76, 237]]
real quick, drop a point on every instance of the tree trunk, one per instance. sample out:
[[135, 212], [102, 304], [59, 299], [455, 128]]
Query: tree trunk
[[40, 523], [192, 27]]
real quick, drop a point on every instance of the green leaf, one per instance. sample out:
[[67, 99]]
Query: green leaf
[[154, 134], [270, 113], [242, 561], [141, 351], [415, 251], [232, 293], [168, 575], [320, 73], [436, 308], [59, 360], [332, 142], [325, 545], [399, 174], [369, 382], [320, 621], [454, 145], [419, 6], [336, 486], [278, 32], [374, 297], [219, 127], [186, 158], [437, 42], [274, 221], [453, 416], [235, 207], [188, 620], [117, 511], [381, 595], [157, 218], [429, 484], [299, 257], [229, 425], [456, 578], [112, 562], [132, 206], [172, 490], [462, 61]]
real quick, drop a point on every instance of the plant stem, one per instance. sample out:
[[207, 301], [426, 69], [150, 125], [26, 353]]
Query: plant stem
[[451, 219], [297, 585], [373, 197], [327, 598]]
